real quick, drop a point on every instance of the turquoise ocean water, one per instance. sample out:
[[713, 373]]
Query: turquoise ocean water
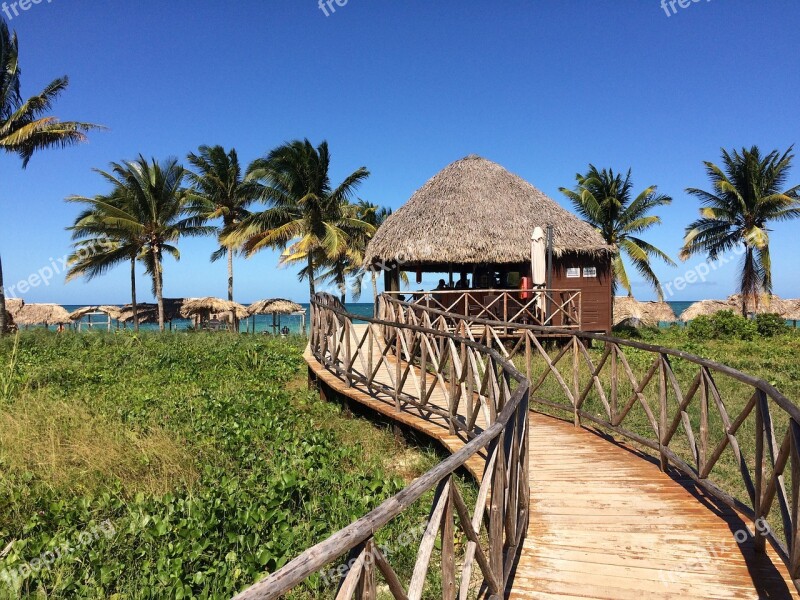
[[294, 323]]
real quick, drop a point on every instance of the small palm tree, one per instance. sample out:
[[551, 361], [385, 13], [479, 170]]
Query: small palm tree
[[747, 195], [100, 246], [306, 217], [605, 200], [153, 210], [24, 125], [219, 191]]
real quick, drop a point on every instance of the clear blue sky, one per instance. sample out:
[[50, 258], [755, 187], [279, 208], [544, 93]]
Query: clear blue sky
[[403, 87]]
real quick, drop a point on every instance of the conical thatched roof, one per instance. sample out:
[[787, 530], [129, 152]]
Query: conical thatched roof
[[791, 310], [476, 212], [42, 314], [705, 308], [196, 306], [77, 315], [113, 312], [650, 314], [276, 305], [14, 305]]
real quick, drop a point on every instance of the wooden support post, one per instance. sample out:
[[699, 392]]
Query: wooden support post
[[496, 516], [662, 418], [348, 359], [758, 539], [448, 549], [576, 381], [398, 373]]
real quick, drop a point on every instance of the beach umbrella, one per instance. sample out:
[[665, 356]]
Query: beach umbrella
[[538, 263]]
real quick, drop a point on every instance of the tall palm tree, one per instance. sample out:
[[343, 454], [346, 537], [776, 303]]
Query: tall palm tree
[[605, 200], [220, 192], [153, 210], [24, 125], [747, 195], [306, 217], [101, 246]]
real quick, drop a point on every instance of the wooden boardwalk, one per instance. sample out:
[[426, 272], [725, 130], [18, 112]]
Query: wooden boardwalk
[[604, 521]]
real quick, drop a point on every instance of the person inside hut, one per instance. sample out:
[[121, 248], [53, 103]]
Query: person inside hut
[[463, 283], [442, 285]]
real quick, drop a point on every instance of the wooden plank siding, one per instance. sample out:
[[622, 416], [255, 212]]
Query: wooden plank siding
[[596, 292]]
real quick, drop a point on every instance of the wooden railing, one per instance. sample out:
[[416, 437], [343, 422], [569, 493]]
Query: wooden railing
[[686, 410], [543, 307], [480, 396]]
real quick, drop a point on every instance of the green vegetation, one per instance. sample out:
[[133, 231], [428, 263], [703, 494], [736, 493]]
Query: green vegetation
[[726, 325], [203, 457]]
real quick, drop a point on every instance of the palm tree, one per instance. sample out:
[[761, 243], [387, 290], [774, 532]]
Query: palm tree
[[100, 246], [24, 126], [746, 197], [306, 217], [352, 263], [153, 211], [220, 191], [604, 200]]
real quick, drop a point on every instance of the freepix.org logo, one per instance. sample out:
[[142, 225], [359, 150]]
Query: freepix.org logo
[[12, 9]]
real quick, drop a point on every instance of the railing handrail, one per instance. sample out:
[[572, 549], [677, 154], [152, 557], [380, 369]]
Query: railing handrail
[[350, 537], [483, 290], [782, 401]]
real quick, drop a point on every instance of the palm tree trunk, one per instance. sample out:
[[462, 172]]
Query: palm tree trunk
[[133, 295], [3, 323], [749, 283], [230, 274], [158, 281], [311, 287]]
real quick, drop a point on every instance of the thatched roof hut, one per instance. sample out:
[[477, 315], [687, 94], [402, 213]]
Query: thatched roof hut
[[14, 305], [277, 306], [791, 310], [476, 212], [628, 310], [207, 306], [41, 314]]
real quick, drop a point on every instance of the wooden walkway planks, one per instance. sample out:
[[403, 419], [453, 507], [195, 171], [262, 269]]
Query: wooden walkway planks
[[604, 521]]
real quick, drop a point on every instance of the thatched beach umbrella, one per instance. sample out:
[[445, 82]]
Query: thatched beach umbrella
[[476, 212], [13, 306], [704, 308], [77, 315], [791, 311], [202, 309], [630, 311], [42, 314], [276, 307]]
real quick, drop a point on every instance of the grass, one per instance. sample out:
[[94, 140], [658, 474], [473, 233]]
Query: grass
[[205, 454]]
